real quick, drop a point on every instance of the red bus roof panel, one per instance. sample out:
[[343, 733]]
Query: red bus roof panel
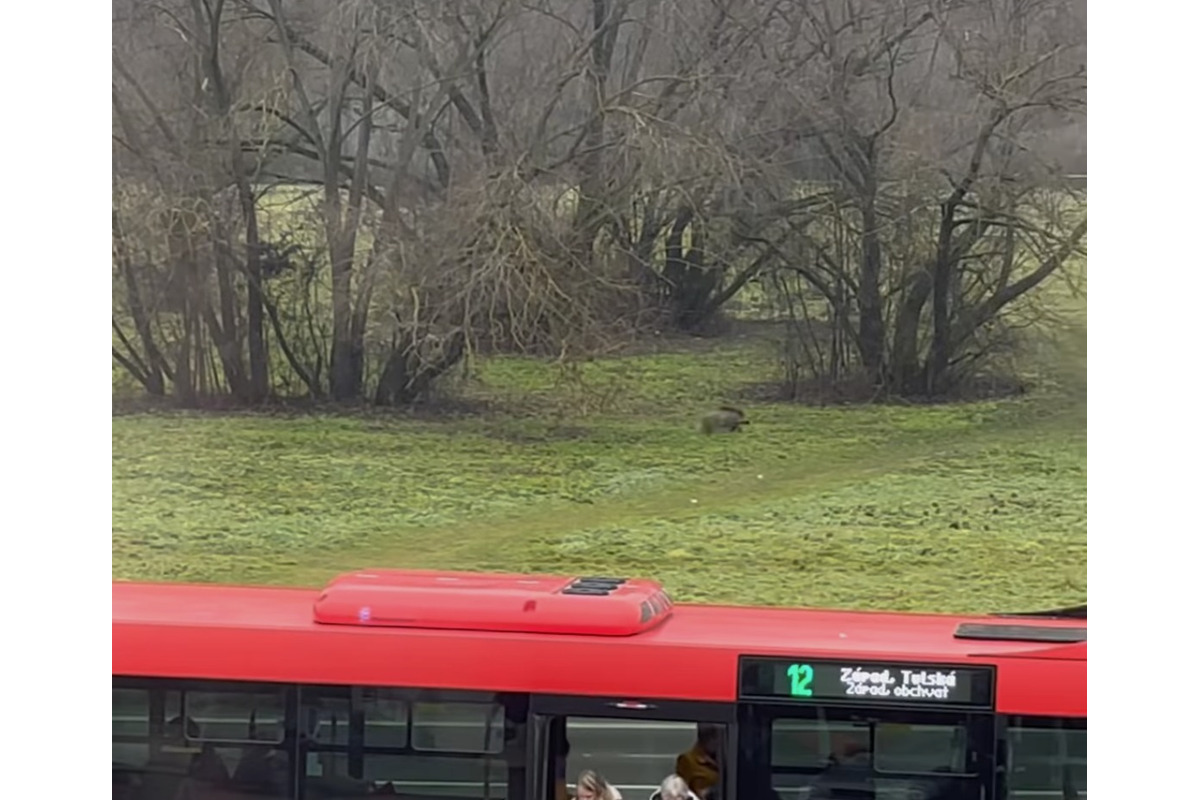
[[227, 632], [492, 602]]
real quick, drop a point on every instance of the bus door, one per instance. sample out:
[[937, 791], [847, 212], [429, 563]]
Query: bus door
[[812, 730], [633, 743]]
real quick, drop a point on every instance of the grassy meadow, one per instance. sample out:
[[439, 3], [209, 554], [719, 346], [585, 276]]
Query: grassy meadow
[[962, 507]]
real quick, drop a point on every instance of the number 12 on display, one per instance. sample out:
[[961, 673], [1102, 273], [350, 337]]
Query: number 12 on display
[[801, 676]]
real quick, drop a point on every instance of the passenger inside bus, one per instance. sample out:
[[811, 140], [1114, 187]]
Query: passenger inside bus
[[673, 787], [590, 785], [207, 766], [653, 748], [700, 766]]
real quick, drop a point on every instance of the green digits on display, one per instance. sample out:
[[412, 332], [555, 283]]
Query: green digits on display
[[801, 676]]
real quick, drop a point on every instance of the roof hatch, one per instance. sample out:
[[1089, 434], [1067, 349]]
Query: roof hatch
[[594, 606], [1070, 612], [1021, 633]]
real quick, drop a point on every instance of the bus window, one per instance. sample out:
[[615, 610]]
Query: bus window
[[462, 727], [237, 736], [175, 740], [920, 748], [436, 776], [836, 753], [635, 755], [414, 743], [386, 717], [131, 712], [808, 744], [1047, 758], [326, 719], [236, 716], [131, 741]]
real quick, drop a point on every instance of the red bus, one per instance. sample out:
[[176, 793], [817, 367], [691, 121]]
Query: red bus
[[461, 686]]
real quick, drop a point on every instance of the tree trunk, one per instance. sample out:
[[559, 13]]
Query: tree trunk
[[209, 17], [905, 375], [154, 361], [225, 336], [590, 211], [870, 303], [341, 230], [695, 285], [938, 363], [226, 331], [259, 374], [344, 383], [185, 387]]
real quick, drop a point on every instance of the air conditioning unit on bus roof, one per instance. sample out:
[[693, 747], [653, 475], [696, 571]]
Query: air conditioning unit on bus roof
[[493, 602]]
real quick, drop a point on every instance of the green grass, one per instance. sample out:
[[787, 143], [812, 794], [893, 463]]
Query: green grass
[[966, 507]]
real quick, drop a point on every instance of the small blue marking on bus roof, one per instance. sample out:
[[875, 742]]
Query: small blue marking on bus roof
[[364, 614]]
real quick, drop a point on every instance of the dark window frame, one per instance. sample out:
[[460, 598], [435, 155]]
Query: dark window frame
[[756, 721], [1008, 722], [159, 715], [547, 709], [356, 750]]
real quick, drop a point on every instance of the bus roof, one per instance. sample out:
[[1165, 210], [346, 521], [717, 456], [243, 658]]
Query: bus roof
[[270, 634]]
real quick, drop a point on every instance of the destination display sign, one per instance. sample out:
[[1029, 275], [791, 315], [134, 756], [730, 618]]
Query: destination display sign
[[819, 681]]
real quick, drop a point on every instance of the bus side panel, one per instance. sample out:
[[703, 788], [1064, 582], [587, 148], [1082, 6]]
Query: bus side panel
[[606, 666], [1042, 687]]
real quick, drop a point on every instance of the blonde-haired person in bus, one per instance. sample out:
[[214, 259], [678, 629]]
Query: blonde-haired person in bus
[[700, 767], [673, 787], [590, 786]]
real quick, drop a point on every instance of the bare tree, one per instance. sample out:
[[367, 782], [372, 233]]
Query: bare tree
[[548, 176], [919, 128], [176, 140]]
